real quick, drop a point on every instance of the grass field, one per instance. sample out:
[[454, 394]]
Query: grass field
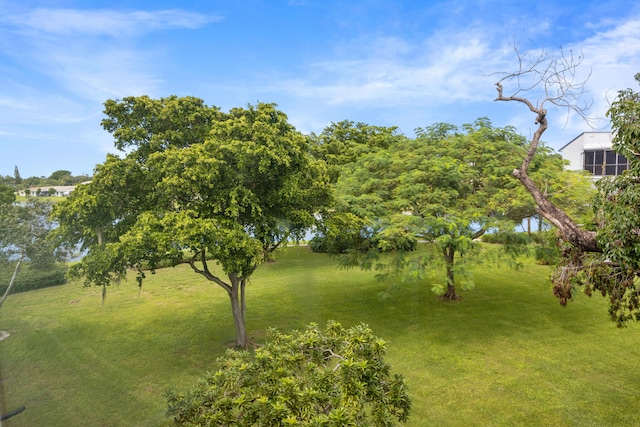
[[506, 355]]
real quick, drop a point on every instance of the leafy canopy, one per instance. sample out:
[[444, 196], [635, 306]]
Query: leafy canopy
[[447, 187], [195, 185]]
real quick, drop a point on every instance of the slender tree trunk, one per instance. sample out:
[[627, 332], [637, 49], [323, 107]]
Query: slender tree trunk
[[100, 235], [540, 219], [12, 281], [449, 257], [235, 289], [238, 309]]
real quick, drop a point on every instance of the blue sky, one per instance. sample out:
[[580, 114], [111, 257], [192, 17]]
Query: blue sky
[[383, 62]]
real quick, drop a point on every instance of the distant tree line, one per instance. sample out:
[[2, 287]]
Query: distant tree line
[[57, 178]]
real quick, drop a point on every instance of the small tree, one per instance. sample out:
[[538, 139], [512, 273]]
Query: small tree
[[16, 175], [24, 237], [330, 377]]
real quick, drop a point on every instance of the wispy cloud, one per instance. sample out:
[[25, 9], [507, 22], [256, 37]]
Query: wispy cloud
[[454, 65], [443, 69], [69, 22], [611, 58], [94, 54], [65, 63]]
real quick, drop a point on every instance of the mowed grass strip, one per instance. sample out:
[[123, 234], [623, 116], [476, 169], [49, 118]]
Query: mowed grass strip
[[506, 355]]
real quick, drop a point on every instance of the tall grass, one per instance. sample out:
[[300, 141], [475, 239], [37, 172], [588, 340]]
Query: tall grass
[[506, 355]]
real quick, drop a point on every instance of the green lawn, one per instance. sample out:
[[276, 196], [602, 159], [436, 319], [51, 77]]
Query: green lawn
[[506, 355]]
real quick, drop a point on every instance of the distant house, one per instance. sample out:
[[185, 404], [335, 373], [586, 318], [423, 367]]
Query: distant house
[[59, 191], [592, 151]]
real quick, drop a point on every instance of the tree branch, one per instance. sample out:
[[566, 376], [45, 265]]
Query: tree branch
[[556, 75], [205, 270]]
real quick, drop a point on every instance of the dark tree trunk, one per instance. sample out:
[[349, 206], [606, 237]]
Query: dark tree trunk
[[449, 257]]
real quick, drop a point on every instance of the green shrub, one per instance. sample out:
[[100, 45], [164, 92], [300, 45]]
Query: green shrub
[[505, 238], [548, 249], [331, 377], [30, 278]]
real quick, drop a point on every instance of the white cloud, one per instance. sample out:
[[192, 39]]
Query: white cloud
[[444, 69], [611, 57], [424, 76], [69, 22], [93, 54]]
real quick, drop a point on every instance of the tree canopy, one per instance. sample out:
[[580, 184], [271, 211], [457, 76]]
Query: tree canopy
[[344, 142], [195, 186], [7, 195], [447, 186]]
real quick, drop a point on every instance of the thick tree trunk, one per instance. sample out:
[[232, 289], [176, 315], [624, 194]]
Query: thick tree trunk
[[236, 295], [449, 257], [571, 232]]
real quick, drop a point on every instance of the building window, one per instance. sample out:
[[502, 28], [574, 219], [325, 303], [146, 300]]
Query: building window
[[605, 162]]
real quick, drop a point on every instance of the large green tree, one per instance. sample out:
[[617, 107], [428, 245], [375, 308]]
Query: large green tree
[[198, 186], [447, 187]]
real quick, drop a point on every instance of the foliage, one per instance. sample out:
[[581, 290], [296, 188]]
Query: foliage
[[546, 244], [24, 234], [7, 195], [195, 185], [614, 271], [572, 191], [344, 142], [507, 237], [344, 232], [446, 187], [339, 232], [30, 278], [330, 377], [61, 177], [24, 237], [549, 248], [16, 175]]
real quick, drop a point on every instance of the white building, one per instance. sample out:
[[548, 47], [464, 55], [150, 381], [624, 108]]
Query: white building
[[58, 191], [591, 151]]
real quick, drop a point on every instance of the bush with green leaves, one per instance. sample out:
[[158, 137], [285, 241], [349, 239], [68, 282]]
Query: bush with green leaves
[[330, 377], [30, 277]]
